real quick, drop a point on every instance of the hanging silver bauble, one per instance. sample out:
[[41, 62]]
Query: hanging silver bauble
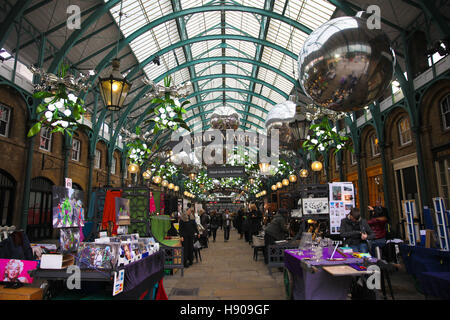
[[279, 118], [344, 65]]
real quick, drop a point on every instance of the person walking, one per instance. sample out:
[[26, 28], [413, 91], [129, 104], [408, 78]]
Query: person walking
[[255, 220], [215, 221], [188, 232], [239, 220], [226, 219], [204, 221]]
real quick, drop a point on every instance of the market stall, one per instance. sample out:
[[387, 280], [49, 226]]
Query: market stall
[[314, 280]]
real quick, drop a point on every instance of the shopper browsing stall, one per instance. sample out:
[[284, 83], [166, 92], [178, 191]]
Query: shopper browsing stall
[[275, 231], [355, 231], [377, 222]]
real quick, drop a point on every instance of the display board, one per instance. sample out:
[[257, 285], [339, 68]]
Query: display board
[[342, 200], [409, 211], [315, 206], [441, 223]]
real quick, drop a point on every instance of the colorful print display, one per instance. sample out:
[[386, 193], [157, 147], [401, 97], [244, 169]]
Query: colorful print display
[[12, 270], [342, 200], [97, 255], [69, 238], [68, 207], [122, 211]]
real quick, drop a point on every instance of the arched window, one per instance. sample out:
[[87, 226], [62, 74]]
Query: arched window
[[374, 145], [5, 120], [404, 131], [7, 193], [40, 224], [445, 112]]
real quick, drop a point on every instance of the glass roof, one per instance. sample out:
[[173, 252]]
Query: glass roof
[[245, 29]]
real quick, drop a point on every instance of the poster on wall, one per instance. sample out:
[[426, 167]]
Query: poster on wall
[[12, 270], [315, 205], [68, 207], [342, 200]]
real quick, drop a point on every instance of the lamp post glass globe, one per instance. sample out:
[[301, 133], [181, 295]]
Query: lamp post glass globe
[[285, 182], [133, 168], [171, 186], [192, 176], [292, 178], [303, 173], [279, 185], [146, 175], [274, 188], [165, 183], [316, 166], [176, 188]]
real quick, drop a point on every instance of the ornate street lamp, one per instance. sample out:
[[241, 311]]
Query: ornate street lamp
[[304, 173], [115, 88]]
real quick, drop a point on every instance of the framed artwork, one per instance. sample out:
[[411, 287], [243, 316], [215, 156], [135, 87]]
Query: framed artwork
[[97, 255], [69, 239], [122, 211], [13, 270], [68, 207], [315, 205]]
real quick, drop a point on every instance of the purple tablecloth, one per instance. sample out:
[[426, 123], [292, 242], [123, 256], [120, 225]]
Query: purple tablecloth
[[142, 275], [436, 284], [319, 285]]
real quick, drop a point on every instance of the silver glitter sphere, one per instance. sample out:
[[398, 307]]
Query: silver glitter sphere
[[279, 118], [344, 65]]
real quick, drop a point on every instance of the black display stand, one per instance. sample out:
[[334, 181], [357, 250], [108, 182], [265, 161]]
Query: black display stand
[[140, 276]]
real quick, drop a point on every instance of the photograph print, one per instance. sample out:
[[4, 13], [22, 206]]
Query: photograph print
[[12, 270], [122, 211], [68, 207], [97, 255], [69, 239], [337, 193]]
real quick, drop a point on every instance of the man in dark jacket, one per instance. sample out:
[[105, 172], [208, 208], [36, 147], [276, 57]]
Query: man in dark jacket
[[356, 231], [275, 231]]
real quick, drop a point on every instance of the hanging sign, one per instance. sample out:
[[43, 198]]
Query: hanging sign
[[226, 172], [69, 183]]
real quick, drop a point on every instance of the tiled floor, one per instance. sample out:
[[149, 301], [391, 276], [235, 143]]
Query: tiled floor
[[228, 272]]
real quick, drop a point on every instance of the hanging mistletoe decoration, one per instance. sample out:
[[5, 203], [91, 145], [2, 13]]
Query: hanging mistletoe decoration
[[323, 137], [138, 151], [169, 111], [60, 108]]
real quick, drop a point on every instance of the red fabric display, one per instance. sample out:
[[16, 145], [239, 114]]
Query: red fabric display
[[109, 210], [161, 293]]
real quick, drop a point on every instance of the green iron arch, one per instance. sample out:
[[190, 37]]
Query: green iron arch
[[227, 89], [121, 44]]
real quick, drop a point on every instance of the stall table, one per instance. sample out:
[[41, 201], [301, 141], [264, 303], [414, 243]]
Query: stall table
[[320, 280], [431, 267], [140, 276]]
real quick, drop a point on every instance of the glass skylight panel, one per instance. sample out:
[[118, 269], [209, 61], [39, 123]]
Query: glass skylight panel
[[200, 22], [245, 46], [246, 22]]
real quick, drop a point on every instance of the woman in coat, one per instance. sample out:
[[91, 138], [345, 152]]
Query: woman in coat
[[188, 232]]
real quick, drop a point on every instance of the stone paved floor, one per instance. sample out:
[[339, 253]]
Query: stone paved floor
[[228, 272]]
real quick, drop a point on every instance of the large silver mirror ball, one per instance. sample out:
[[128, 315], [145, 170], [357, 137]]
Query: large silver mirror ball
[[344, 65]]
